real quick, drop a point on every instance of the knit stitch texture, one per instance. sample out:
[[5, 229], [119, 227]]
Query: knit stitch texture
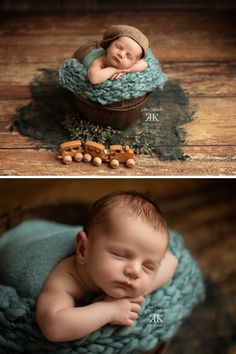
[[73, 76], [19, 332]]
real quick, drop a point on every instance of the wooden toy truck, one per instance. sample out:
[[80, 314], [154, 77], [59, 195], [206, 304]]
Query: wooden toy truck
[[97, 153]]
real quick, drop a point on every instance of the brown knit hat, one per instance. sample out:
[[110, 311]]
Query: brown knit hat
[[116, 31]]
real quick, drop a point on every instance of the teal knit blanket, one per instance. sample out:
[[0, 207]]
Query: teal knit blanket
[[28, 253], [73, 76]]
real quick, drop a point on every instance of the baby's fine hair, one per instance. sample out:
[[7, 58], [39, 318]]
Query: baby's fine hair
[[131, 203]]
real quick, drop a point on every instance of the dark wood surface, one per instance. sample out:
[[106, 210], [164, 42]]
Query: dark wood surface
[[196, 48], [203, 211]]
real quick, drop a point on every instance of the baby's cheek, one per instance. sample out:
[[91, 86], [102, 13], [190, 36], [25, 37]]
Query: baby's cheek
[[147, 283], [107, 270], [97, 269]]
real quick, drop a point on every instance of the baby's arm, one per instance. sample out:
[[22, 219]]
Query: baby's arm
[[165, 272], [98, 74], [59, 319], [140, 65]]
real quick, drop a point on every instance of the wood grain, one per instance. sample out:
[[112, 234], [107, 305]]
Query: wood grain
[[182, 36], [32, 162]]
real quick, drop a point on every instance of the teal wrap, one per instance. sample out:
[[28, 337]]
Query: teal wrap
[[73, 76]]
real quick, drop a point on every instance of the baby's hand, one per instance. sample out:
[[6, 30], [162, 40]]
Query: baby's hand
[[124, 311], [117, 75]]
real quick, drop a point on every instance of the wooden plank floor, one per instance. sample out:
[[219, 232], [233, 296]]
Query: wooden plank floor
[[198, 49], [202, 210]]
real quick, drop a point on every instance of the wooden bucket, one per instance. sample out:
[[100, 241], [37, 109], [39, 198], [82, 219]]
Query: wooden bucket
[[71, 213], [118, 116]]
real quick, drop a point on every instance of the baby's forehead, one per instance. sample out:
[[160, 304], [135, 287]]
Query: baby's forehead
[[122, 215], [125, 230]]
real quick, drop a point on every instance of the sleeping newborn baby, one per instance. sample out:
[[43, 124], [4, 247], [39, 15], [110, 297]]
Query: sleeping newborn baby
[[121, 256], [123, 49], [123, 54]]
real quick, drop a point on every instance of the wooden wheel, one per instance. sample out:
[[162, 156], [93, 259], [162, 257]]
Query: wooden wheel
[[114, 163], [97, 161], [67, 159], [130, 163], [87, 158], [78, 156]]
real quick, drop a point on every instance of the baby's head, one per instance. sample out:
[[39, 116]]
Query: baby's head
[[125, 45], [124, 240]]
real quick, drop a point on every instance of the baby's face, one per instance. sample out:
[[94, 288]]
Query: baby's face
[[123, 53], [124, 262]]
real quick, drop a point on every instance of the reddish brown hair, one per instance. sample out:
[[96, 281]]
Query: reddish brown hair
[[132, 202]]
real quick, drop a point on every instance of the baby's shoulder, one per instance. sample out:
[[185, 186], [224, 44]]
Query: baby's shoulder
[[99, 62], [64, 278]]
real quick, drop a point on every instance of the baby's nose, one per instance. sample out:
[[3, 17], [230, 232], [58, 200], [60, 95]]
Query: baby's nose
[[132, 271], [121, 53]]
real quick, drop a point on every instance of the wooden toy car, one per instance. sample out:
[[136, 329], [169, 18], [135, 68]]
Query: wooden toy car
[[119, 153], [71, 149], [97, 153]]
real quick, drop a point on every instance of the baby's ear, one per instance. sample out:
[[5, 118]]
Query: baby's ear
[[81, 247]]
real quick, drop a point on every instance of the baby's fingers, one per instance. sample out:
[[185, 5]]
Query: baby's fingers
[[118, 75], [130, 322], [133, 316], [135, 307], [113, 77]]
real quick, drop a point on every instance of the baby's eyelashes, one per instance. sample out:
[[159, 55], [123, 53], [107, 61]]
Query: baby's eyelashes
[[147, 267], [118, 254], [150, 267], [119, 46]]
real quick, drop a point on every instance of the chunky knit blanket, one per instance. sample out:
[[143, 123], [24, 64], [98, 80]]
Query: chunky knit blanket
[[162, 311], [73, 76]]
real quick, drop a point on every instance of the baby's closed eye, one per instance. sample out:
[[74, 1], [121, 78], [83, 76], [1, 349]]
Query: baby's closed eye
[[118, 254], [149, 266]]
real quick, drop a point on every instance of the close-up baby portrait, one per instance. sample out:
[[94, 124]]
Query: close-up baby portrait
[[93, 266]]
